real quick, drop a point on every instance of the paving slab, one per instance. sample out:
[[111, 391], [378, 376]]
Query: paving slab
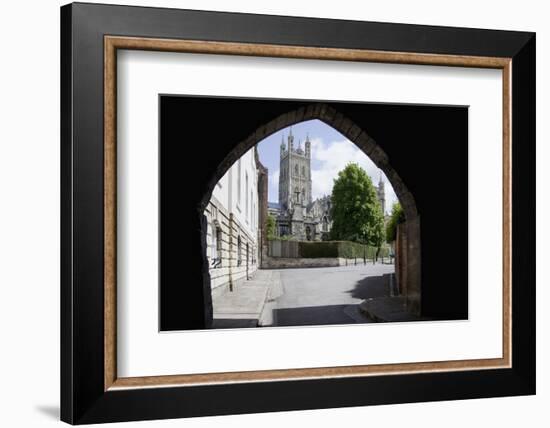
[[243, 307], [244, 299]]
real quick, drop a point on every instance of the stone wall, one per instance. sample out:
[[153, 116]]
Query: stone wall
[[296, 263], [262, 204]]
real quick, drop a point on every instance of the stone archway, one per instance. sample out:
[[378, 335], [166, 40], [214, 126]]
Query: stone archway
[[358, 136]]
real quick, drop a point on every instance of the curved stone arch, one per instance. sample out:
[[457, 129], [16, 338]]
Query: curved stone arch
[[410, 275], [339, 122]]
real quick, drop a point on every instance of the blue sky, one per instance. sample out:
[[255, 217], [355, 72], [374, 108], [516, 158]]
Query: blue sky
[[330, 153]]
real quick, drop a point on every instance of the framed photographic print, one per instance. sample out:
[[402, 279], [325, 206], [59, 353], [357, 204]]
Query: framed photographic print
[[320, 213]]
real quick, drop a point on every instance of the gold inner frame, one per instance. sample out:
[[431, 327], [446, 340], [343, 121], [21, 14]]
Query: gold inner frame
[[113, 43]]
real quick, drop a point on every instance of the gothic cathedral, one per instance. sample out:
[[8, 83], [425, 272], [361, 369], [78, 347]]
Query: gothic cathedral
[[296, 213]]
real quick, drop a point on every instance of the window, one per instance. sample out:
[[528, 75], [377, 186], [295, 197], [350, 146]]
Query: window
[[239, 261], [303, 171], [214, 243], [219, 242], [295, 169], [216, 247]]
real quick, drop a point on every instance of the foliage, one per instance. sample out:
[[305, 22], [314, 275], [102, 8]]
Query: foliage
[[397, 216], [271, 227], [314, 250], [356, 212]]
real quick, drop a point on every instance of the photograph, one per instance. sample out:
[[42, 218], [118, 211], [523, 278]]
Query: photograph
[[304, 228]]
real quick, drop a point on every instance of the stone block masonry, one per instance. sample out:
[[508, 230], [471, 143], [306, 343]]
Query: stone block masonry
[[228, 240], [298, 263]]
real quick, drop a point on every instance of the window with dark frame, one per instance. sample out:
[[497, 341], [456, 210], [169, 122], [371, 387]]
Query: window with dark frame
[[239, 251]]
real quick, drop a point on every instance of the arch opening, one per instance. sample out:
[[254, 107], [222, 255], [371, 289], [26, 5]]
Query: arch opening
[[407, 266]]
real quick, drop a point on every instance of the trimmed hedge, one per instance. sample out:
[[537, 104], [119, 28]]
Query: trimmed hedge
[[316, 250], [344, 249]]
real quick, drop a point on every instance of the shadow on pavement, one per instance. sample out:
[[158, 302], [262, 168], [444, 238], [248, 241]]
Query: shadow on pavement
[[234, 323], [372, 287], [312, 315]]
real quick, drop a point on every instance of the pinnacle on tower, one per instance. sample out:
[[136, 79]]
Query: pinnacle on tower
[[308, 146], [290, 140]]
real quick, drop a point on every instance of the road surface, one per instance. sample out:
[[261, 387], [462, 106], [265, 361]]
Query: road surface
[[317, 296]]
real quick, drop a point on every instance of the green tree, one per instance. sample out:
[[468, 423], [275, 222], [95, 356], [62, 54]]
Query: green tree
[[356, 211], [397, 216], [271, 227]]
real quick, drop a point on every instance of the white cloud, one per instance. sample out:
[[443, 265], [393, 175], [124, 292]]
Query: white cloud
[[330, 158]]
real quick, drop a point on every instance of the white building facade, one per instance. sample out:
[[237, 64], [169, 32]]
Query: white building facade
[[233, 229]]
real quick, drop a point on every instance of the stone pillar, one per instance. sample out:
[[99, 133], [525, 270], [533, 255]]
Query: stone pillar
[[407, 263], [401, 258], [206, 285], [414, 278]]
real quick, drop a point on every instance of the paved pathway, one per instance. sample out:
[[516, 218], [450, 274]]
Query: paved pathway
[[317, 296], [243, 306]]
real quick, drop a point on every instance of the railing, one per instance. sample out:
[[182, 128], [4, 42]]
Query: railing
[[288, 249]]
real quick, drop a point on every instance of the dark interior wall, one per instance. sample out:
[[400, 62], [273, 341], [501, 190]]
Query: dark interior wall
[[426, 145]]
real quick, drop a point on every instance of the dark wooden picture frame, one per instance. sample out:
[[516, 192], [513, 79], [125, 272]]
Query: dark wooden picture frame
[[91, 391]]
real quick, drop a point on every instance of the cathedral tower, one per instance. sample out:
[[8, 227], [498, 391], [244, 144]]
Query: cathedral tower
[[294, 174]]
